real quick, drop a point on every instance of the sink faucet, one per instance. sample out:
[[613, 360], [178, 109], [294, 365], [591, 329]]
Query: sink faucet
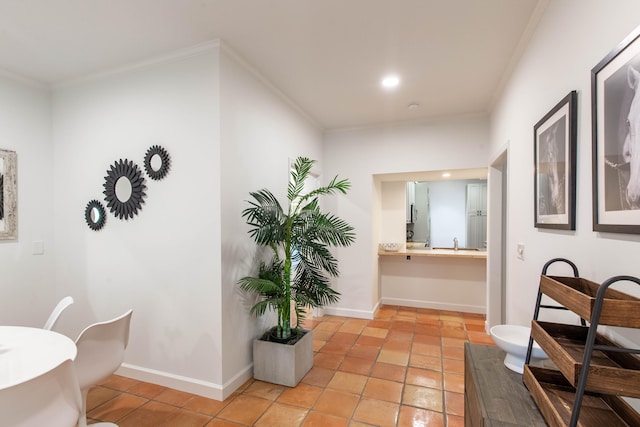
[[455, 243]]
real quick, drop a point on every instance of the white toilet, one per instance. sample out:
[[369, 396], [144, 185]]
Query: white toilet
[[514, 340]]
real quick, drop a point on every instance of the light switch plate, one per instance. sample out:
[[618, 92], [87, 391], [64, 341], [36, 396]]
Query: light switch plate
[[520, 251]]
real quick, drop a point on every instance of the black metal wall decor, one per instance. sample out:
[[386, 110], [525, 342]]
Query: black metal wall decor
[[159, 172], [124, 187], [127, 208], [95, 215], [1, 196]]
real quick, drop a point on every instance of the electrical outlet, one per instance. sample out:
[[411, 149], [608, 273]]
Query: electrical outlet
[[520, 251]]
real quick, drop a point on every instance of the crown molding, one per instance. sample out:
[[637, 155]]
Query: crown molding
[[521, 46], [235, 56], [174, 56], [181, 54], [15, 77], [422, 121]]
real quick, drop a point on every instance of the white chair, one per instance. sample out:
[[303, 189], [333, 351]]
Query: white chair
[[100, 352], [53, 399], [55, 314]]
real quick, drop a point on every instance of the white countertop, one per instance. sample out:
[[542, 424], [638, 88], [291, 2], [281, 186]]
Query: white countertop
[[428, 252]]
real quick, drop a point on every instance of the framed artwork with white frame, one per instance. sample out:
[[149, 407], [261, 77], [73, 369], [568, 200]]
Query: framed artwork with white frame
[[615, 108]]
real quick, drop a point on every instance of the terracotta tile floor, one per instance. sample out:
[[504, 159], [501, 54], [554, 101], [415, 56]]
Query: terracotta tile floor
[[404, 368]]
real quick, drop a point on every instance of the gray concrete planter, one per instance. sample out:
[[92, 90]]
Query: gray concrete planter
[[283, 364]]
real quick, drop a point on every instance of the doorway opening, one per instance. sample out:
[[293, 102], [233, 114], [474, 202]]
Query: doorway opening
[[497, 237]]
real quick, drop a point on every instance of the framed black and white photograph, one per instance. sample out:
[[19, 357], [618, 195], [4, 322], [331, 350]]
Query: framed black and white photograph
[[615, 108], [555, 166]]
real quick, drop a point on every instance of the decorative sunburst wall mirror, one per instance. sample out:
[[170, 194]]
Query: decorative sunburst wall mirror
[[124, 189], [95, 215], [156, 162]]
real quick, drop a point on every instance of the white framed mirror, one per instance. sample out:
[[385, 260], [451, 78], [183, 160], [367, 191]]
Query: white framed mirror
[[8, 195]]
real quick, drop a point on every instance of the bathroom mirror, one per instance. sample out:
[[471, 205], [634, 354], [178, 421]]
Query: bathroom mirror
[[95, 215], [8, 195], [443, 210], [124, 189], [156, 162]]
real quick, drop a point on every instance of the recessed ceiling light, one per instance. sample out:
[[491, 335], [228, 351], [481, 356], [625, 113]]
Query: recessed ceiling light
[[413, 106], [446, 175], [390, 81]]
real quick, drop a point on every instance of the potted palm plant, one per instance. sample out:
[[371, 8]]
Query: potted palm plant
[[297, 272]]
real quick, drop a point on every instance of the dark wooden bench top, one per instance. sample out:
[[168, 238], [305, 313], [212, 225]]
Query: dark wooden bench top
[[493, 394]]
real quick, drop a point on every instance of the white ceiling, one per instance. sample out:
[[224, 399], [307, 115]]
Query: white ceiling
[[328, 56]]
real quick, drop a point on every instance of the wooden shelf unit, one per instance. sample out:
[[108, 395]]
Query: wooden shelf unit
[[594, 371], [555, 398], [613, 372]]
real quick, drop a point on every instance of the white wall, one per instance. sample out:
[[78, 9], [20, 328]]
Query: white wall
[[27, 280], [228, 132], [572, 37], [165, 262], [392, 212], [362, 153], [260, 133], [177, 263]]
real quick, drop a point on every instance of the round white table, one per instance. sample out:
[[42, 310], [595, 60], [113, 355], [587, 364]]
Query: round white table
[[26, 353]]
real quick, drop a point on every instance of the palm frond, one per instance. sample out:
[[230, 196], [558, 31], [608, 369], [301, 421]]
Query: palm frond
[[313, 289], [301, 314], [319, 256], [300, 238], [269, 285], [333, 187], [260, 308], [299, 173], [330, 229], [259, 286], [265, 216]]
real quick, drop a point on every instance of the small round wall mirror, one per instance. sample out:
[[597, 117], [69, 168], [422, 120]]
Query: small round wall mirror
[[156, 162], [124, 189], [95, 215]]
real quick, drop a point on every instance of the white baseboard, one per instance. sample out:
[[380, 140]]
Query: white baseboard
[[466, 308], [187, 384], [348, 312]]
